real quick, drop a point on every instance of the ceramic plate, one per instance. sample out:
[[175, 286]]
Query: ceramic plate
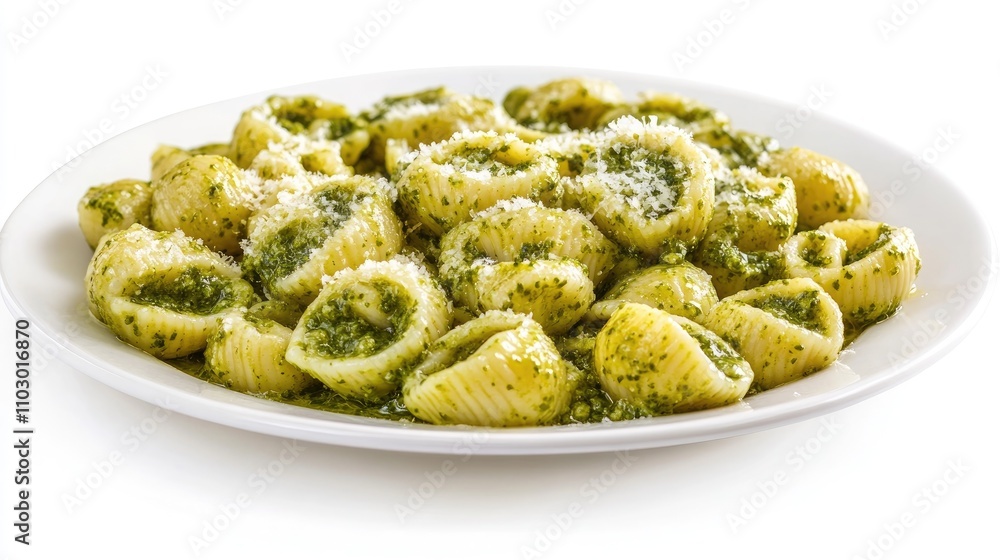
[[43, 258]]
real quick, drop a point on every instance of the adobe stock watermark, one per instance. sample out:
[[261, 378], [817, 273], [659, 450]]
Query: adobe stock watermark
[[899, 15], [561, 12], [368, 31], [711, 29], [922, 502], [258, 482], [817, 98], [913, 170], [223, 8], [29, 26], [103, 469], [120, 109], [795, 460], [925, 331], [590, 492], [421, 494]]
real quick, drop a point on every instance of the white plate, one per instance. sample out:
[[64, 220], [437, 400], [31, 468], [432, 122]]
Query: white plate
[[43, 258]]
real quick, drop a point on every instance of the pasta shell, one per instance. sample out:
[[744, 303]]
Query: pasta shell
[[499, 369], [114, 207], [367, 324], [162, 292], [867, 267], [667, 363], [648, 187], [825, 189], [785, 329]]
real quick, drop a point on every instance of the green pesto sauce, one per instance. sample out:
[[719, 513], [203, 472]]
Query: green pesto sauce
[[337, 330], [425, 97], [318, 397], [494, 161], [738, 147], [531, 252], [194, 291], [884, 236], [801, 309], [722, 355], [668, 169], [292, 245], [107, 205], [759, 266], [589, 402]]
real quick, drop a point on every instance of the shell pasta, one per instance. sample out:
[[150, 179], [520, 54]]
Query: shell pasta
[[563, 254]]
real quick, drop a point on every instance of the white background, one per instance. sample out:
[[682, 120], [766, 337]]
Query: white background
[[934, 67]]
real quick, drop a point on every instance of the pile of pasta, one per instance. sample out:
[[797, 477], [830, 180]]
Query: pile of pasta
[[567, 256]]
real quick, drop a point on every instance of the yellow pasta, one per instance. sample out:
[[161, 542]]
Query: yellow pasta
[[648, 187], [785, 329], [162, 292], [825, 188], [529, 259], [499, 369], [667, 363], [367, 324], [867, 267], [438, 257], [334, 224], [447, 183], [206, 197], [114, 207]]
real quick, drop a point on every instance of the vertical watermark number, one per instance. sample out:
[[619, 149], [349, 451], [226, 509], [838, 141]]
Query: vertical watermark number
[[22, 431]]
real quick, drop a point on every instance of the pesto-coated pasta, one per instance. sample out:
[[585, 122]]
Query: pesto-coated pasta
[[246, 352], [529, 259], [162, 292], [826, 189], [667, 363], [439, 258], [114, 207], [867, 267], [754, 215], [648, 187], [280, 118], [337, 223], [499, 369], [785, 329], [367, 324], [680, 289], [447, 183], [574, 103], [431, 116], [206, 197]]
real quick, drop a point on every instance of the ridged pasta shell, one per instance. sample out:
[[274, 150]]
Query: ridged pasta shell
[[754, 215], [114, 207], [431, 116], [648, 187], [339, 223], [280, 118], [825, 189], [785, 329], [162, 292], [576, 103], [499, 369], [868, 267], [447, 183], [206, 197], [367, 324], [489, 262], [680, 289], [247, 353], [667, 363]]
